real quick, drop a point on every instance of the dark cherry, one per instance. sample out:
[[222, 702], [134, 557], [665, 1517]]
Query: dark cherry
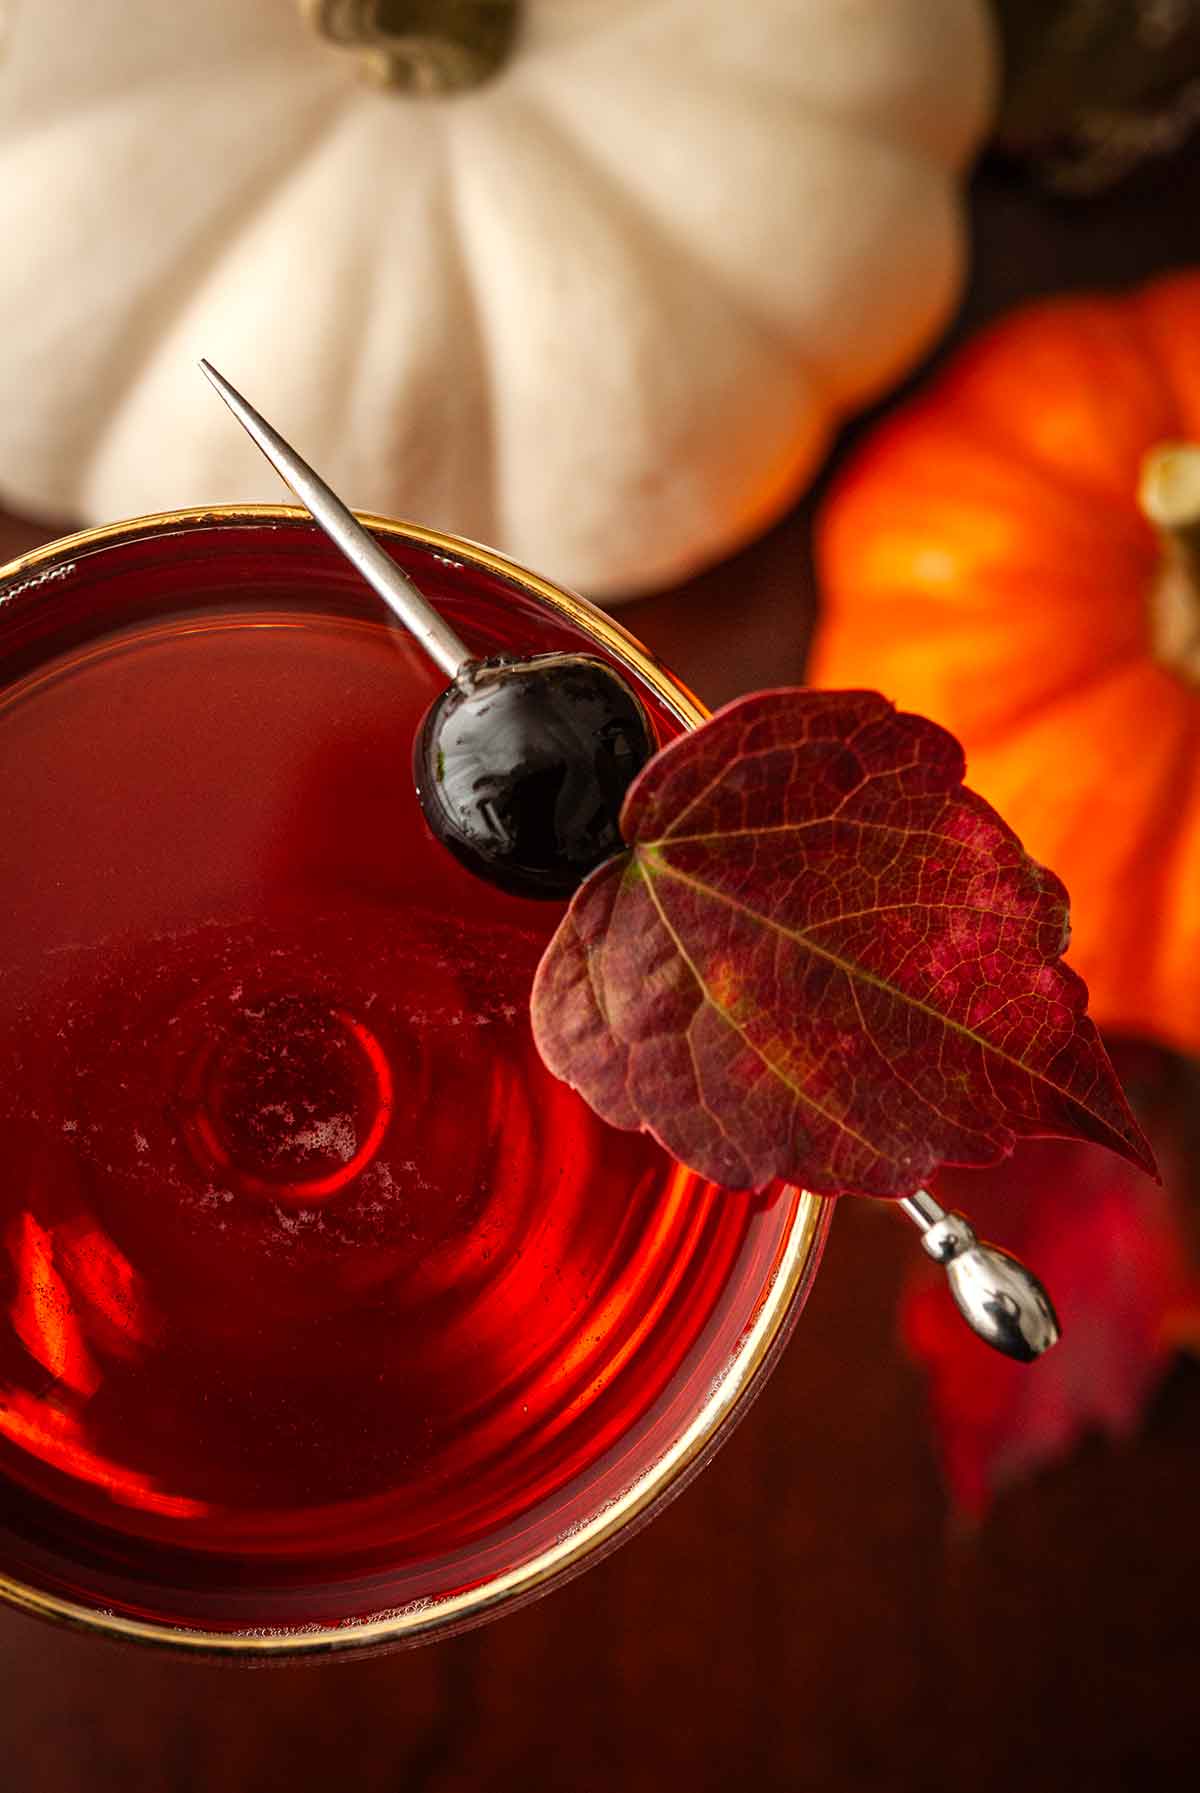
[[522, 766]]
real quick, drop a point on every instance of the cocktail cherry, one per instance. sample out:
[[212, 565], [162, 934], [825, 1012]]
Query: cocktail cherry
[[521, 764]]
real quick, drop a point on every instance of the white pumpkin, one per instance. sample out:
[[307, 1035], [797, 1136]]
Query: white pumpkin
[[602, 310]]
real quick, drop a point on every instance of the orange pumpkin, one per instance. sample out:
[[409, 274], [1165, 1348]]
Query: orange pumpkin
[[990, 559]]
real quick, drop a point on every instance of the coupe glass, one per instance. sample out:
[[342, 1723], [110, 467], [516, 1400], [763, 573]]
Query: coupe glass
[[327, 1317]]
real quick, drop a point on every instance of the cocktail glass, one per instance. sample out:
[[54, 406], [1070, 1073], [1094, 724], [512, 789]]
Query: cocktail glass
[[328, 1319]]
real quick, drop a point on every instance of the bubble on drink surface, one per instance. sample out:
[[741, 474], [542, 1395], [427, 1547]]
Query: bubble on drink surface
[[287, 1093], [522, 768], [299, 1220], [334, 1138]]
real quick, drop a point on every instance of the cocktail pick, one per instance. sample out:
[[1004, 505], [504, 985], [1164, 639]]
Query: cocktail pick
[[506, 730], [348, 535], [522, 764], [998, 1297]]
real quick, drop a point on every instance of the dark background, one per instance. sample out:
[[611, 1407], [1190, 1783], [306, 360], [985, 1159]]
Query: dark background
[[808, 1614]]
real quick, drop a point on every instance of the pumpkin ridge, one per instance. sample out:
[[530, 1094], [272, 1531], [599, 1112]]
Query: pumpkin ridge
[[169, 300], [76, 107], [620, 201], [1182, 914], [456, 236], [956, 397], [1144, 319], [984, 737], [866, 132], [1161, 844], [600, 156], [151, 320], [1184, 374], [901, 453], [977, 424], [971, 104], [666, 236], [1154, 844]]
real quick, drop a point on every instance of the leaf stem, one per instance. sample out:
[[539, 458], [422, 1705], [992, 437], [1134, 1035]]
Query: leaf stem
[[425, 47]]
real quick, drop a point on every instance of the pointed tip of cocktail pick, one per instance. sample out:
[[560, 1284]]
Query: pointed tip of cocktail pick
[[347, 534], [283, 458]]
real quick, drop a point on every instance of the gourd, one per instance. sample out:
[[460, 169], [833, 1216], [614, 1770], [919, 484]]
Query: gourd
[[1092, 88], [1016, 553], [593, 280]]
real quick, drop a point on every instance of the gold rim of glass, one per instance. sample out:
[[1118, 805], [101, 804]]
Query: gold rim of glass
[[743, 1376]]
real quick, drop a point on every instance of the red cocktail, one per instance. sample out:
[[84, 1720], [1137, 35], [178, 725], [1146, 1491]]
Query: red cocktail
[[327, 1316]]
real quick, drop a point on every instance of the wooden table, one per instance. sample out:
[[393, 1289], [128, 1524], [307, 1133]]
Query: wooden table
[[806, 1616]]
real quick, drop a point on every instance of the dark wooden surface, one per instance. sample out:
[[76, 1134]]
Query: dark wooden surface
[[806, 1616]]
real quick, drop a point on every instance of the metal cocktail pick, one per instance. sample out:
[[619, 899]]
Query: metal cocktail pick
[[997, 1296], [348, 535]]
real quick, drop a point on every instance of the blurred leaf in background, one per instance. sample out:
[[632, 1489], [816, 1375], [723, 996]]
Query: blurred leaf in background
[[1117, 1251]]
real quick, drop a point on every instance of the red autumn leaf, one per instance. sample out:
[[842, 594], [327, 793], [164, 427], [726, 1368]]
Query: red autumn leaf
[[1107, 1240], [822, 959]]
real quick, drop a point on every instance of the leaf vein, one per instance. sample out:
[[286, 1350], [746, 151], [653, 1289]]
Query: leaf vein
[[850, 970], [901, 830], [706, 994]]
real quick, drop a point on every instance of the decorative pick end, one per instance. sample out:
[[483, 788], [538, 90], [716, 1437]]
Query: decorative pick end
[[1001, 1301]]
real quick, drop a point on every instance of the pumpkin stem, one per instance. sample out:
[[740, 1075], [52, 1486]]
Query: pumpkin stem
[[421, 46], [1169, 494]]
